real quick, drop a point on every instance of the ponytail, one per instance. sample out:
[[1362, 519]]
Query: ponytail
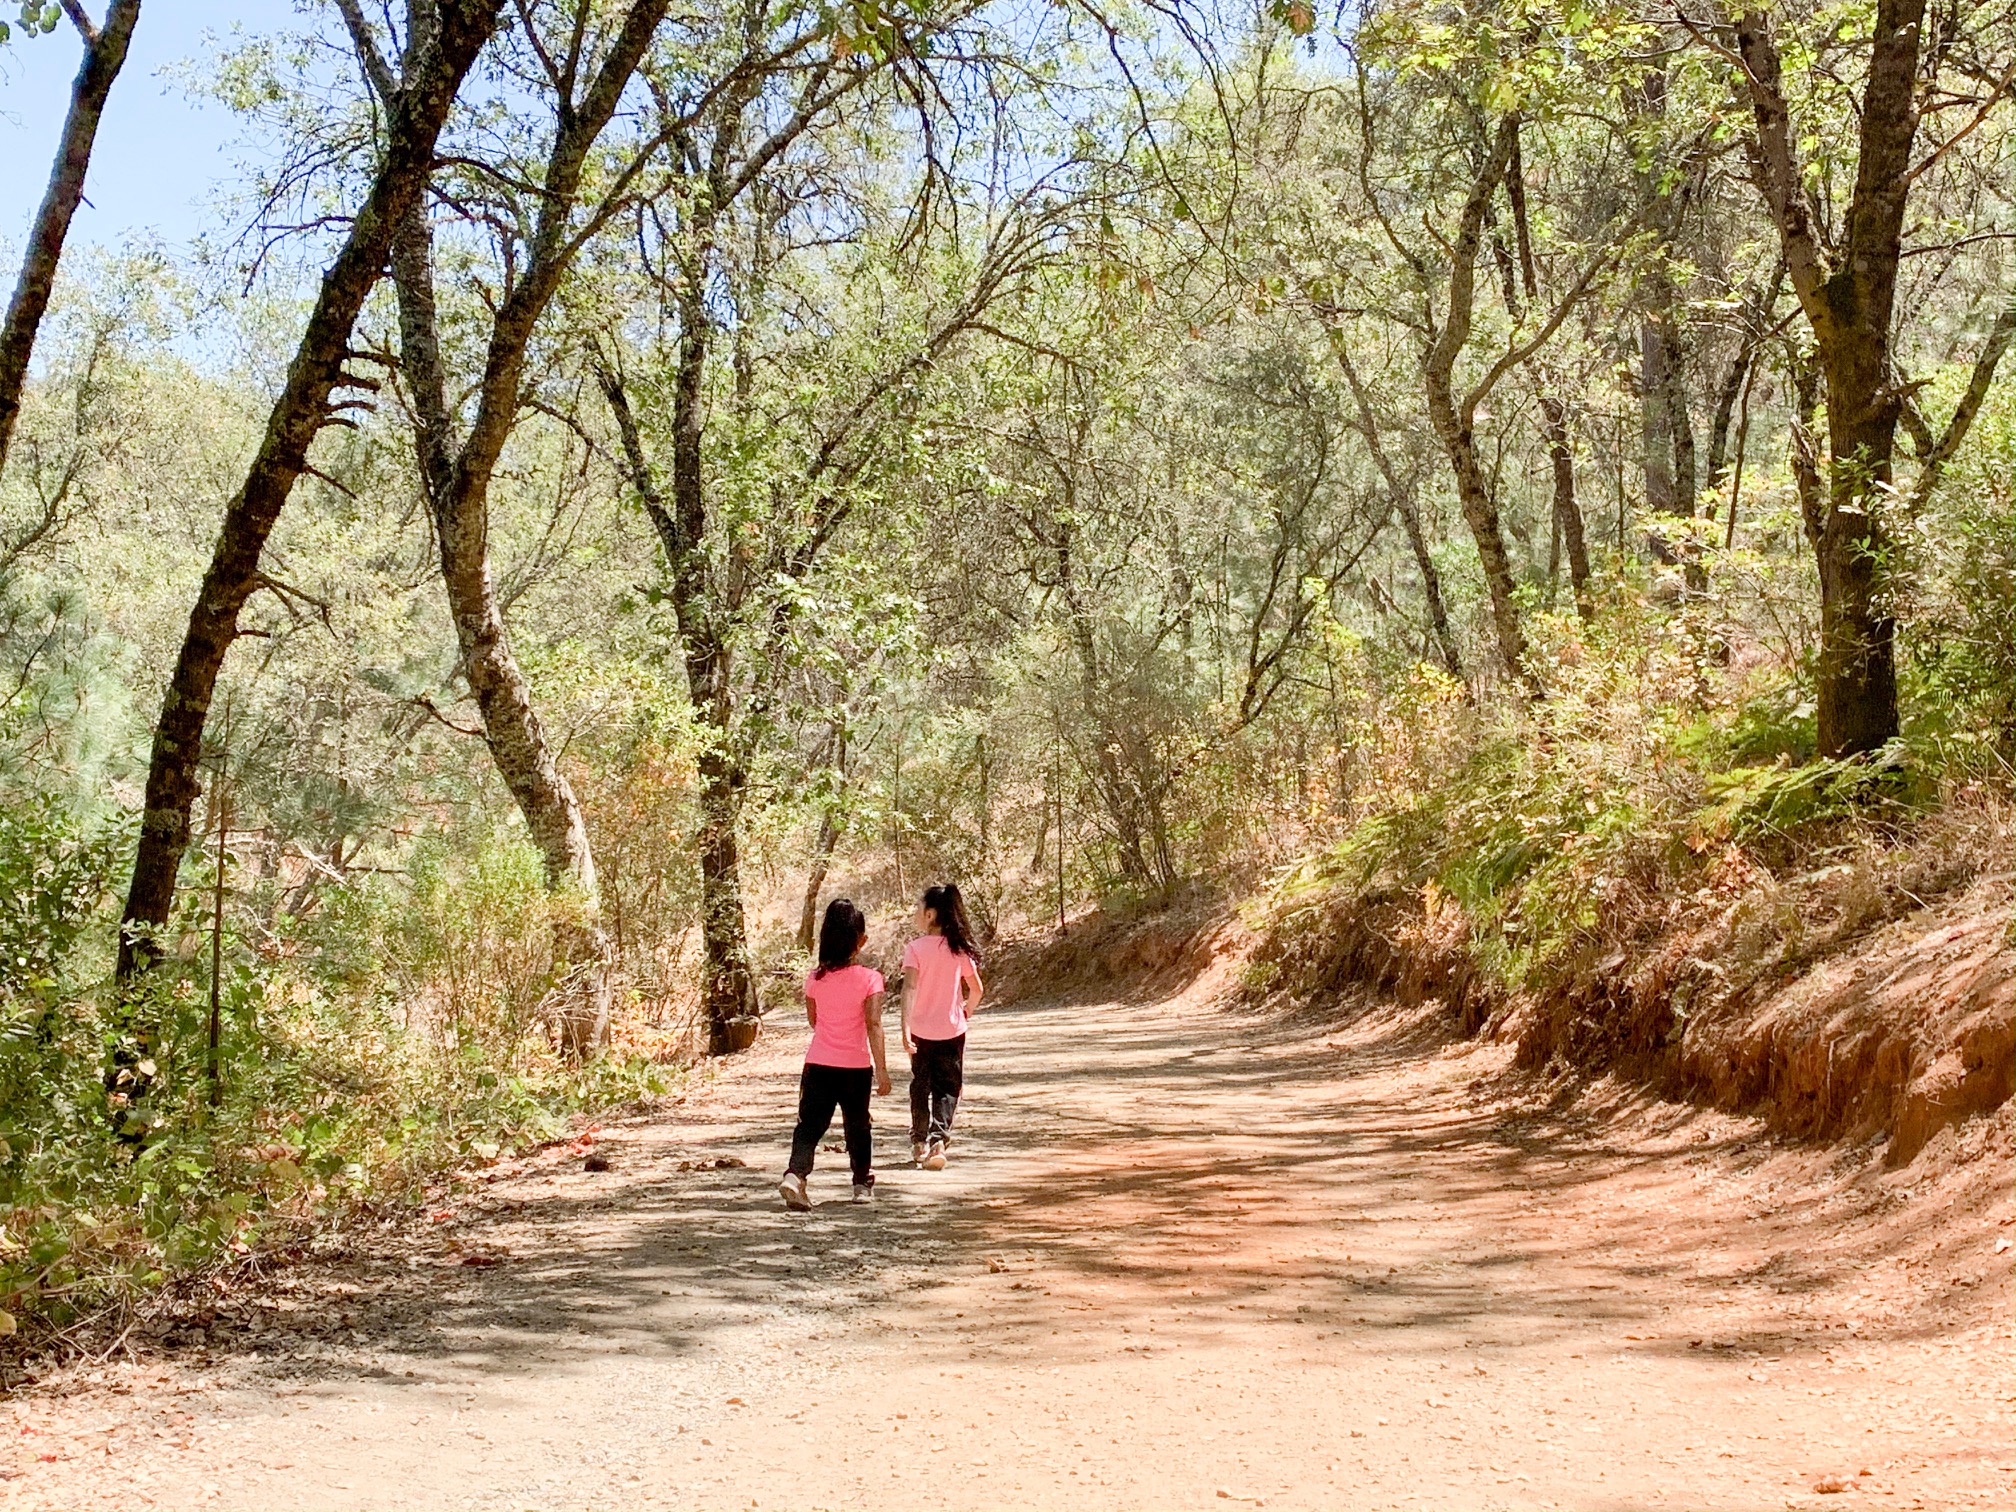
[[945, 905]]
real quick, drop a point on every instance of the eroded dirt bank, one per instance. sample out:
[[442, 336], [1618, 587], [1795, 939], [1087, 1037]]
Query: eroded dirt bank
[[1184, 1257]]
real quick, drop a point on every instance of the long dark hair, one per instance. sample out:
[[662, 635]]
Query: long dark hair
[[840, 935], [945, 905]]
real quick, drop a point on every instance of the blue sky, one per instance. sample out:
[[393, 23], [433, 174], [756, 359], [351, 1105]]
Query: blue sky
[[159, 154]]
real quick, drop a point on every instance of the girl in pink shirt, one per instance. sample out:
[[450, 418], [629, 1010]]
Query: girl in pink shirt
[[941, 991], [845, 1062]]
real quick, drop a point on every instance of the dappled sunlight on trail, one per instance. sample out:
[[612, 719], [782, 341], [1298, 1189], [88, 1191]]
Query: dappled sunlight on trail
[[1180, 1256]]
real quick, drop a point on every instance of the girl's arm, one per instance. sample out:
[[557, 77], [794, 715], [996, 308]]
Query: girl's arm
[[975, 989], [909, 991], [811, 1011], [875, 1046]]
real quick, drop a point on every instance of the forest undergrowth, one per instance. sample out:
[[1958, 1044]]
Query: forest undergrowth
[[352, 1068], [1641, 876]]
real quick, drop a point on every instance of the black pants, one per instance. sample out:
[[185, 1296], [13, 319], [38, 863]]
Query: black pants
[[937, 1075], [820, 1090]]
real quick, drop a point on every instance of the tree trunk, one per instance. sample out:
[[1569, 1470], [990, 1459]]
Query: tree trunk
[[822, 859], [1679, 417], [1655, 424], [1480, 513], [1677, 426], [1453, 421], [524, 758], [297, 417], [1409, 510], [458, 488], [823, 847], [1567, 521], [1567, 509], [1401, 492], [1856, 692], [1666, 424], [728, 993], [1849, 299], [1934, 452], [1672, 483], [1725, 414], [104, 56], [1804, 457], [511, 726], [1112, 781], [1758, 303]]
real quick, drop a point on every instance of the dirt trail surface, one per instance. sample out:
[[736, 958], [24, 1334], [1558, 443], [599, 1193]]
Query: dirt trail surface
[[1181, 1259]]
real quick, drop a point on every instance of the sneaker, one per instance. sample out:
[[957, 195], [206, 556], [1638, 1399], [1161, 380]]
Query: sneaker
[[934, 1158], [792, 1190], [917, 1150], [864, 1191]]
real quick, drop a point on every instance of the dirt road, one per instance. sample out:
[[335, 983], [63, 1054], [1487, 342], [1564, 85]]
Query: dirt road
[[1182, 1259]]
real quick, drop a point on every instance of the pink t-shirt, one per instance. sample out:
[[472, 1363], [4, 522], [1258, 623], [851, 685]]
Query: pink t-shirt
[[938, 1007], [840, 1037]]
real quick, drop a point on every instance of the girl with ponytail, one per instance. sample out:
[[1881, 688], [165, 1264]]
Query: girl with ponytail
[[941, 991], [844, 1064]]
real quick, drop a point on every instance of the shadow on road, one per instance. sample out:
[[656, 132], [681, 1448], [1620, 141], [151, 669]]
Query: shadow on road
[[1122, 1167]]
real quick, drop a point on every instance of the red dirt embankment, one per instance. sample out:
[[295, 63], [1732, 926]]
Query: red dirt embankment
[[1872, 998], [1910, 1031]]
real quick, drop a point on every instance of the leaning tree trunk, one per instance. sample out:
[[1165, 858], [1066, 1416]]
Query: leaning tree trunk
[[104, 55], [458, 490], [1554, 414], [524, 758], [1454, 422], [815, 882], [823, 847], [297, 417], [1401, 492], [1431, 583], [1480, 513], [511, 725], [1726, 397]]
